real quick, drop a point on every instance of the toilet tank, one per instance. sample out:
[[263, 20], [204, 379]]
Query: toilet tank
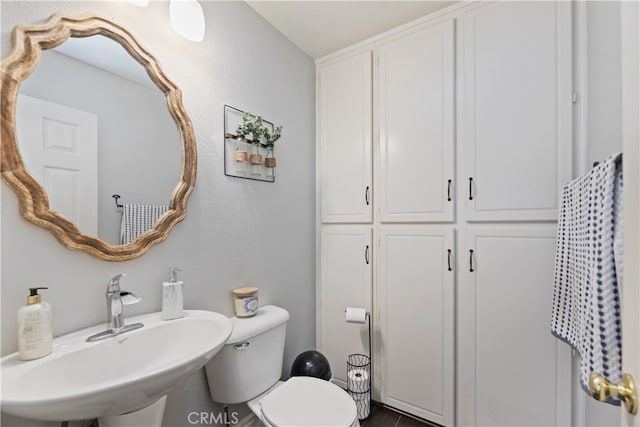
[[251, 360]]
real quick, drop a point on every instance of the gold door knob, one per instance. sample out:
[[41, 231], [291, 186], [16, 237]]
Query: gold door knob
[[602, 389]]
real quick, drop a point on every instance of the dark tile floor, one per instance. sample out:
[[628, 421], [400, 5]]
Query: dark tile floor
[[385, 417]]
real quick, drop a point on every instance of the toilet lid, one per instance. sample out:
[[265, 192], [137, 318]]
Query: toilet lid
[[309, 402]]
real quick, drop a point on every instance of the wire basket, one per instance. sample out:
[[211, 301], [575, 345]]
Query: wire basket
[[359, 382]]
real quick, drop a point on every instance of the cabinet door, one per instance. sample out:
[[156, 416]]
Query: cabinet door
[[511, 370], [345, 281], [416, 304], [515, 70], [344, 135], [415, 89]]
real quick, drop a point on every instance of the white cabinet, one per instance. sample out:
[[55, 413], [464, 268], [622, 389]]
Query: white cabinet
[[415, 285], [479, 97], [416, 93], [344, 139], [416, 304], [511, 371], [346, 262], [515, 121]]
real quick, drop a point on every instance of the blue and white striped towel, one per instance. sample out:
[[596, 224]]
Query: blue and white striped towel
[[138, 219], [588, 271]]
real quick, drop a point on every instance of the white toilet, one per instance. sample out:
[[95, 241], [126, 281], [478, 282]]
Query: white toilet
[[248, 369]]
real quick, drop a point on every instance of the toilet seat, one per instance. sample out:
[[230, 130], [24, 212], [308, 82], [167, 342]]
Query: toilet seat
[[309, 402]]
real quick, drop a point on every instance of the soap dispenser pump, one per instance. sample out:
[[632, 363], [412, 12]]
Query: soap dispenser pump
[[35, 334], [172, 296]]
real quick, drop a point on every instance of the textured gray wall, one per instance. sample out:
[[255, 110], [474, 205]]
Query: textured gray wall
[[237, 232], [604, 68], [604, 128]]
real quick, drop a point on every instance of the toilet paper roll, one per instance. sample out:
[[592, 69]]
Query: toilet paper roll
[[363, 403], [356, 315], [363, 407], [358, 397], [358, 380]]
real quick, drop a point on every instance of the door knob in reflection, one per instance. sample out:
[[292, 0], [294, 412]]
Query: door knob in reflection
[[626, 390]]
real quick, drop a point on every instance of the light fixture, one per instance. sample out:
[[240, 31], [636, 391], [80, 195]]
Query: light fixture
[[187, 19], [139, 3]]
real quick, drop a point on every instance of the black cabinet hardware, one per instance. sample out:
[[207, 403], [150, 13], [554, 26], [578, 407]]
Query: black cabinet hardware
[[471, 260]]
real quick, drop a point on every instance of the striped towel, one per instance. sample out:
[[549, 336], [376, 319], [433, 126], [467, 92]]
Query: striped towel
[[138, 219], [588, 271]]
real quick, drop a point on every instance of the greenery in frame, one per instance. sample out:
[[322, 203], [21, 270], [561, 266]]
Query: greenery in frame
[[271, 138], [252, 129]]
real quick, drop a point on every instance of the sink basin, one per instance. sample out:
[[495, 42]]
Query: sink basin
[[84, 380]]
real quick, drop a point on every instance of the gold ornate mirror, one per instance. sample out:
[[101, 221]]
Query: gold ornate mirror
[[18, 171]]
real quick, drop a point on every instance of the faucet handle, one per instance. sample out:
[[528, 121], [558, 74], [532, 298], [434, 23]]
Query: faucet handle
[[114, 283]]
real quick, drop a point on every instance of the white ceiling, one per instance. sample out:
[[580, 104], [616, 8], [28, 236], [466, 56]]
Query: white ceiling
[[322, 27]]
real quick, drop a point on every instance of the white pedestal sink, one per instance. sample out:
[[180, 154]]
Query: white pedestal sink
[[84, 380]]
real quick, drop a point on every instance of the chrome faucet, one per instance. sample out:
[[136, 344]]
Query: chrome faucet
[[116, 300]]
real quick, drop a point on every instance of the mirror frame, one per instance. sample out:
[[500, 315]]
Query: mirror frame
[[28, 42]]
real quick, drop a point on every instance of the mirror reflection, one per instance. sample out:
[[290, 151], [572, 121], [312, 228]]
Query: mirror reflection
[[90, 123]]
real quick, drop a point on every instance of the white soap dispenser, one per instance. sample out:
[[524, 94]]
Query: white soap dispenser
[[172, 296], [35, 334]]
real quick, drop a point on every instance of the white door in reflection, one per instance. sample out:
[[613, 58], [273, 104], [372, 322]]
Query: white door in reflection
[[59, 146]]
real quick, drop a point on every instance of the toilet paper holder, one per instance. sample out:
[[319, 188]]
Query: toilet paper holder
[[359, 383], [359, 376], [360, 316]]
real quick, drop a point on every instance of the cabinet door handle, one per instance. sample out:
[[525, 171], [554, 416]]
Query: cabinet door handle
[[366, 195], [449, 259], [471, 260], [470, 188], [366, 254], [449, 191]]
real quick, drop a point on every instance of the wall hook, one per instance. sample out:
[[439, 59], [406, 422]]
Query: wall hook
[[116, 197]]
